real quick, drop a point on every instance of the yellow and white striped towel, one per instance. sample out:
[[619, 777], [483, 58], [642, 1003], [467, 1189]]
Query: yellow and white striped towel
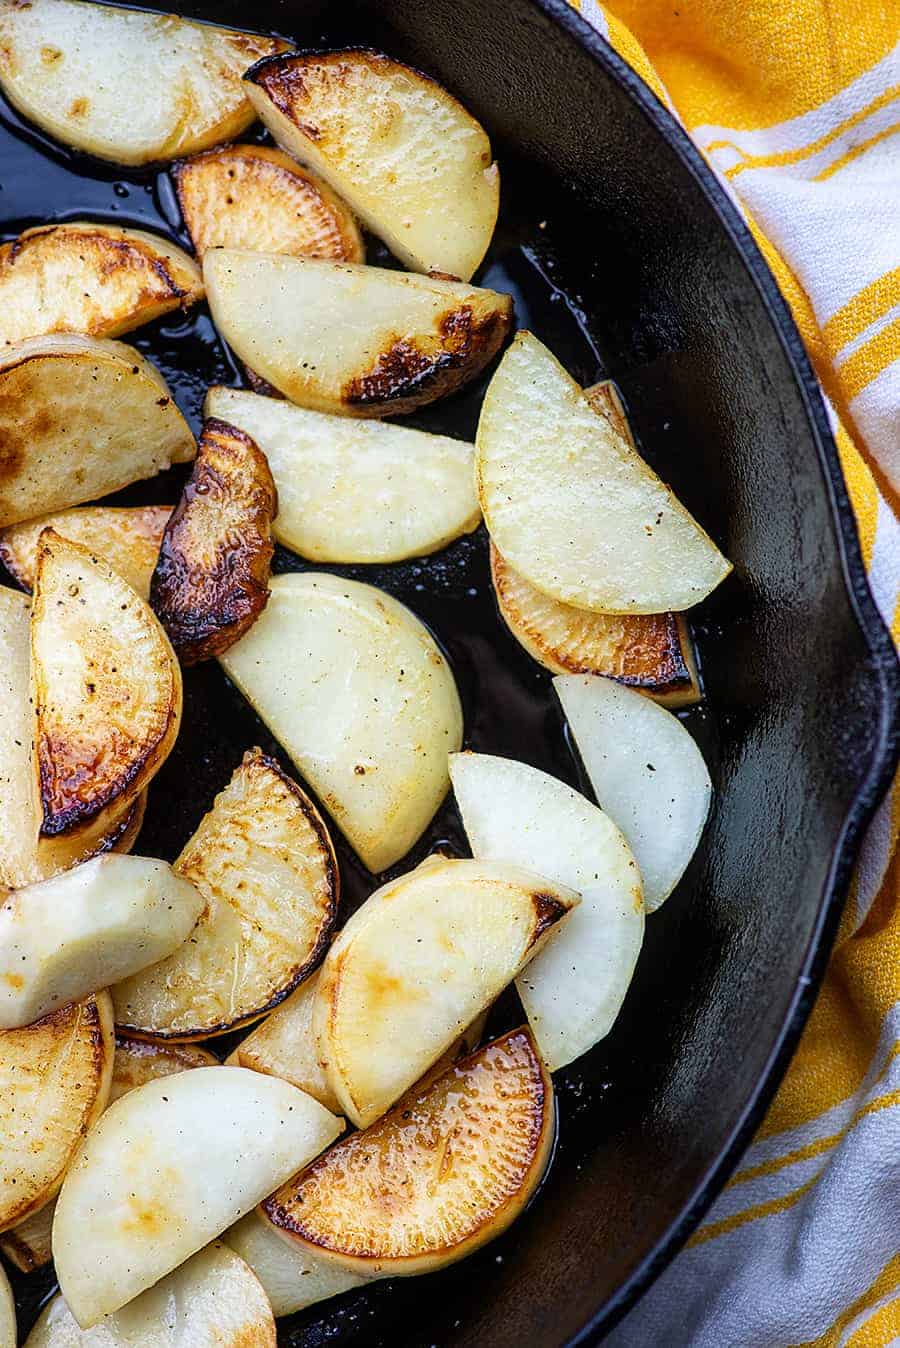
[[796, 105]]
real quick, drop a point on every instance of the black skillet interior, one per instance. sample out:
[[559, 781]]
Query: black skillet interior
[[627, 263]]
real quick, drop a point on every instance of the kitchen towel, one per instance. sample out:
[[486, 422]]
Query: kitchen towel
[[796, 106]]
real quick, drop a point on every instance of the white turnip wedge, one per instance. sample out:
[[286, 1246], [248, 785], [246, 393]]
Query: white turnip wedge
[[100, 280], [81, 931], [573, 989], [647, 774], [257, 197], [8, 1336], [81, 417], [409, 159], [214, 1300], [571, 506], [169, 1167], [356, 491], [354, 688], [54, 1082], [360, 341], [416, 964], [124, 84], [292, 1276]]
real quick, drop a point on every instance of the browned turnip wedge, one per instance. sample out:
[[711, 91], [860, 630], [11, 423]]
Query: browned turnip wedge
[[573, 989], [137, 1062], [101, 280], [212, 575], [572, 507], [23, 859], [263, 862], [293, 1276], [128, 537], [257, 197], [54, 1082], [403, 153], [107, 695], [358, 341], [27, 1245], [213, 1300], [284, 1045], [81, 417], [416, 964], [356, 491], [66, 937], [19, 814], [355, 690], [123, 84], [8, 1334], [447, 1170], [166, 1169], [651, 652], [647, 773]]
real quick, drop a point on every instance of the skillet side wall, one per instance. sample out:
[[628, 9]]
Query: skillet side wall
[[797, 691]]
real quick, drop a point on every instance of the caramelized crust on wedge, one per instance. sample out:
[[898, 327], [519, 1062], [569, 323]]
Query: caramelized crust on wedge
[[81, 417], [213, 1300], [97, 279], [212, 578], [128, 537], [54, 1082], [257, 197], [652, 652], [448, 1169], [263, 861], [106, 687]]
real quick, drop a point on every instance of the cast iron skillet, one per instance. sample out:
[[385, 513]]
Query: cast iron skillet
[[629, 260]]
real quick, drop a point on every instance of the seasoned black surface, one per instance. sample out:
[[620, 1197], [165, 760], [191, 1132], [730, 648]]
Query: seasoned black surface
[[620, 261]]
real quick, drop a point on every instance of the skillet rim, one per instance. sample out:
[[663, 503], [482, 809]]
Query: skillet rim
[[874, 780]]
